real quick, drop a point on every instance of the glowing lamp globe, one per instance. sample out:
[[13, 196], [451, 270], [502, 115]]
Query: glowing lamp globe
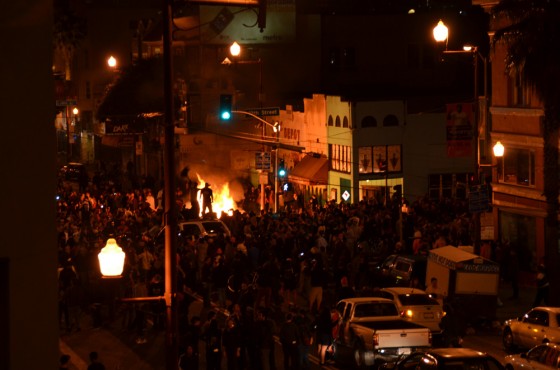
[[441, 32], [111, 259], [498, 149]]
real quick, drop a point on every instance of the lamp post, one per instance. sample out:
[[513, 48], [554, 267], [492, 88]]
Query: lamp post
[[235, 51], [441, 34]]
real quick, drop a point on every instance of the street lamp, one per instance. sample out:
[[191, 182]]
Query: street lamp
[[235, 52], [112, 62], [441, 34], [111, 259]]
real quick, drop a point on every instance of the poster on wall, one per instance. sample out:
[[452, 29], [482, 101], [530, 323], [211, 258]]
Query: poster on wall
[[366, 164], [459, 129], [380, 158], [394, 162]]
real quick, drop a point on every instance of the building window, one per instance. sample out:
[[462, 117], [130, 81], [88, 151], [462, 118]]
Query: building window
[[369, 121], [337, 121], [390, 120], [330, 122], [345, 122], [518, 91], [448, 186], [518, 167], [340, 158]]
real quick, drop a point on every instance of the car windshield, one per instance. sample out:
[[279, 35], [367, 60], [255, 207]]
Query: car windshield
[[417, 300], [213, 227], [375, 309]]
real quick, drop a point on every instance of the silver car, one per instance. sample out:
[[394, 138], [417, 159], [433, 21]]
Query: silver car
[[415, 305], [539, 325], [541, 357]]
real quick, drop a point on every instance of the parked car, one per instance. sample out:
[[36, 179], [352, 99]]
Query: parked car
[[371, 331], [539, 325], [399, 270], [72, 174], [197, 229], [415, 305], [543, 356], [444, 359]]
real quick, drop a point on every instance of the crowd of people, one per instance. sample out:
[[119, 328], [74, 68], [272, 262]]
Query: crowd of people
[[275, 274]]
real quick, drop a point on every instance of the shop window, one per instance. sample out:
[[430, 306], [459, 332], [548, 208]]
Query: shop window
[[520, 231], [518, 167]]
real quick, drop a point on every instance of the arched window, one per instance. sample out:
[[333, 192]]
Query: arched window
[[330, 122], [337, 121], [390, 120], [369, 121], [345, 122]]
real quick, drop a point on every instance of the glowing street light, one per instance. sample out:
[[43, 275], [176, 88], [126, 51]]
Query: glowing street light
[[441, 32], [498, 150], [112, 62], [111, 259]]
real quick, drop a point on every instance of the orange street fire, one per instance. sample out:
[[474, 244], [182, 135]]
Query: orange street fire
[[223, 201]]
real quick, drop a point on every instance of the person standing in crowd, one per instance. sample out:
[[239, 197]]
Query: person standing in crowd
[[207, 199], [543, 286], [345, 291], [324, 326], [434, 290], [231, 342], [305, 326], [213, 338], [95, 364], [190, 358], [264, 330], [290, 338], [317, 280], [452, 327]]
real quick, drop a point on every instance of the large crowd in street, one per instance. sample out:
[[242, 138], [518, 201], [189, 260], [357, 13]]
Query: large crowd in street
[[275, 274]]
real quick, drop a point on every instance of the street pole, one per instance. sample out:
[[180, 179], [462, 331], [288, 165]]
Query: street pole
[[276, 173], [170, 216], [476, 145], [68, 137]]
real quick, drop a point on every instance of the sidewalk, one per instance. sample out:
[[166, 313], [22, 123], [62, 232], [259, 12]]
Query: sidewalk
[[512, 308]]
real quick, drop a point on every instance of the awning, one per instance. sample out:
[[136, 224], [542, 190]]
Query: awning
[[310, 170], [458, 259]]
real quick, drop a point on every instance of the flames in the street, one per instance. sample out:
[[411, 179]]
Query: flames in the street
[[223, 202]]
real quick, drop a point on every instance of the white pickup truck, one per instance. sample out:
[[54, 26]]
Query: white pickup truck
[[371, 332]]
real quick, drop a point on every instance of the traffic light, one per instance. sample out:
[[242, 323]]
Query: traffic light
[[281, 168], [225, 107]]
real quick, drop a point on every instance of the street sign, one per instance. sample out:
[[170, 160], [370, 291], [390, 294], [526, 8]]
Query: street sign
[[262, 160], [479, 201], [64, 103], [263, 112]]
